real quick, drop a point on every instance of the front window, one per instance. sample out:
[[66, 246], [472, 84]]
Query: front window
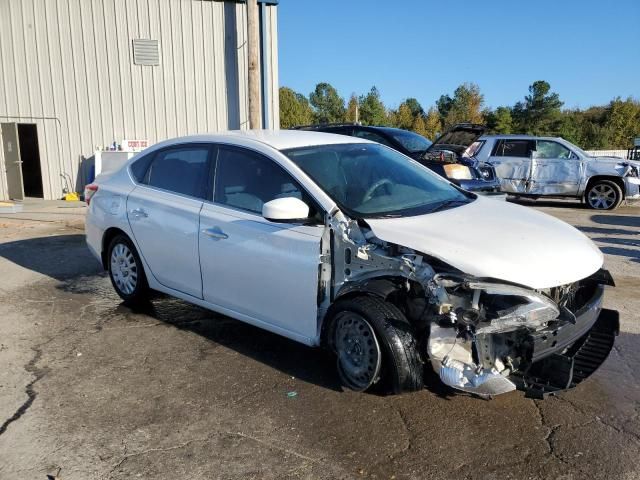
[[549, 149], [372, 181], [411, 141]]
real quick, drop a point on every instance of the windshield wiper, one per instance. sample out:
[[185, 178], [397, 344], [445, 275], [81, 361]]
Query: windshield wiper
[[448, 204]]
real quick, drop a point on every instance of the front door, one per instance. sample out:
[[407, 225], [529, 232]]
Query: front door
[[164, 215], [260, 269], [512, 160], [555, 170], [12, 161]]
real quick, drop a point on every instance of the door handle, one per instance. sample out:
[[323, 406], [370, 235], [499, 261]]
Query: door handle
[[139, 213], [215, 233]]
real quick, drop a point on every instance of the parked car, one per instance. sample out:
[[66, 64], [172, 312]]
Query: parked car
[[338, 241], [553, 167], [464, 172]]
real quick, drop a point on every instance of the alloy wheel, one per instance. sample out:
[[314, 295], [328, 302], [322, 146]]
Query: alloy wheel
[[602, 197]]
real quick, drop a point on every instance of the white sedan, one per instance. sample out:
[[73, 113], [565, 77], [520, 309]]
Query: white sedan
[[340, 242]]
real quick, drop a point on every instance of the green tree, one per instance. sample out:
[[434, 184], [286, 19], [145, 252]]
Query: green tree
[[414, 106], [403, 117], [351, 114], [539, 114], [465, 105], [328, 106], [432, 124], [500, 120], [372, 110], [419, 126], [622, 122], [294, 109]]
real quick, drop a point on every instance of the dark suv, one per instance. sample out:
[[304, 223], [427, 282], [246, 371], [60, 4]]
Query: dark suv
[[444, 156]]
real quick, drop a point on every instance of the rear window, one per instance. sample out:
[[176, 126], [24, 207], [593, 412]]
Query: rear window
[[513, 148], [183, 170]]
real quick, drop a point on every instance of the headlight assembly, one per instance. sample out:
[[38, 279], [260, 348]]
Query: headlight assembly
[[457, 171], [505, 307]]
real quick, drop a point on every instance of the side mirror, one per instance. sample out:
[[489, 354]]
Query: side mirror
[[288, 209]]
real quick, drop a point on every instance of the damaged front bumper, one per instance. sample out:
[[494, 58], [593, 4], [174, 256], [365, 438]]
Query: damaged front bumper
[[632, 189], [567, 354], [549, 358]]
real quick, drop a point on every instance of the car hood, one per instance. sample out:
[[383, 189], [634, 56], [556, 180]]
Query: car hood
[[500, 240], [610, 165]]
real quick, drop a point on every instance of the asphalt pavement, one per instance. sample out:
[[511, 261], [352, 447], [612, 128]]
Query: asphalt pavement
[[90, 389]]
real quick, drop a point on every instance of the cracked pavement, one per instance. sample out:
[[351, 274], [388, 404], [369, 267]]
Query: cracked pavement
[[97, 391]]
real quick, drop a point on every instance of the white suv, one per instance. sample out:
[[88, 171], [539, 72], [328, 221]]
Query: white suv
[[337, 241], [553, 167]]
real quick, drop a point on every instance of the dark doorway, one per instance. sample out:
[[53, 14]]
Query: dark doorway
[[30, 156]]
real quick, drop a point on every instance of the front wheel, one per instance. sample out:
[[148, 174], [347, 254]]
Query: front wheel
[[604, 195], [126, 271], [374, 345]]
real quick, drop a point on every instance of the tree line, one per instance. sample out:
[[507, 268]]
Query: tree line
[[611, 126]]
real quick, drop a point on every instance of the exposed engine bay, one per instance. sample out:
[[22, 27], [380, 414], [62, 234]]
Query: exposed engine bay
[[482, 336]]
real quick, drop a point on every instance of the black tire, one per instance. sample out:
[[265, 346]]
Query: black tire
[[401, 368], [139, 294], [603, 195]]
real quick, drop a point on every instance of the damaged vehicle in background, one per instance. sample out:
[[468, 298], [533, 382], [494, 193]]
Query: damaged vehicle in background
[[340, 242], [533, 167], [469, 174]]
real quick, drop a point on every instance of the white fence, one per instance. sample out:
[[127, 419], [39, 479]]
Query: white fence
[[608, 153]]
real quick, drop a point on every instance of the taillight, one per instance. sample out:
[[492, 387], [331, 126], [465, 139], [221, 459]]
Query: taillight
[[89, 191]]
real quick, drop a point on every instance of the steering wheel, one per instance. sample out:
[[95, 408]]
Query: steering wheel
[[369, 194]]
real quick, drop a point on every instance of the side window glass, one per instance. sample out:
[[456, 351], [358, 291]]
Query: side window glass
[[374, 137], [247, 180], [181, 170], [139, 167], [549, 149], [513, 148]]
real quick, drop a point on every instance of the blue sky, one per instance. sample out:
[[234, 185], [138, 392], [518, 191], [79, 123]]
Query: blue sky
[[588, 50]]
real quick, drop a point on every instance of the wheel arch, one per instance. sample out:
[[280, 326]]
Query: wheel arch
[[109, 234], [386, 288], [611, 178]]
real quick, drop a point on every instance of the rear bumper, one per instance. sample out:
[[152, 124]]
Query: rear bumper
[[566, 354]]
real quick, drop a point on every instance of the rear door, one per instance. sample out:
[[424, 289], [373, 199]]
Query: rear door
[[260, 269], [12, 160], [555, 170], [164, 214], [511, 159]]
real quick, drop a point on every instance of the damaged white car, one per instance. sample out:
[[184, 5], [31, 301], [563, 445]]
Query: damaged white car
[[536, 167], [340, 242]]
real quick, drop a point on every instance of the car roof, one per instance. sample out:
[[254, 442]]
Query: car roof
[[278, 139], [512, 136]]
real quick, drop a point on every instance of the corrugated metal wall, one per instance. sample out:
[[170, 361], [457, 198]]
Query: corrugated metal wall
[[67, 66]]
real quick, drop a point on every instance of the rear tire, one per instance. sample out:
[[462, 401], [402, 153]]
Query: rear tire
[[126, 271], [603, 195], [375, 346]]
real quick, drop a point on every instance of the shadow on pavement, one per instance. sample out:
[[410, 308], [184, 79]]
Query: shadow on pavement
[[51, 256], [607, 231], [530, 202], [618, 220]]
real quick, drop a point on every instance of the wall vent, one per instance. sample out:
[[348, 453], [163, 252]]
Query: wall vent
[[146, 51]]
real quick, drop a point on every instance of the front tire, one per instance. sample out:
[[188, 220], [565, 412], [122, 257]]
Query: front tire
[[604, 195], [374, 345], [126, 271]]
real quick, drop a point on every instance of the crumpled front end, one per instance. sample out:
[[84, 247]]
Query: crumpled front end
[[481, 335], [492, 338]]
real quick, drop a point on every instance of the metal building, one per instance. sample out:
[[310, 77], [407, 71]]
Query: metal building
[[79, 75]]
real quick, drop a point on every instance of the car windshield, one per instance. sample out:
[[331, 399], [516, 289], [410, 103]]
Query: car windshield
[[411, 141], [369, 180]]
